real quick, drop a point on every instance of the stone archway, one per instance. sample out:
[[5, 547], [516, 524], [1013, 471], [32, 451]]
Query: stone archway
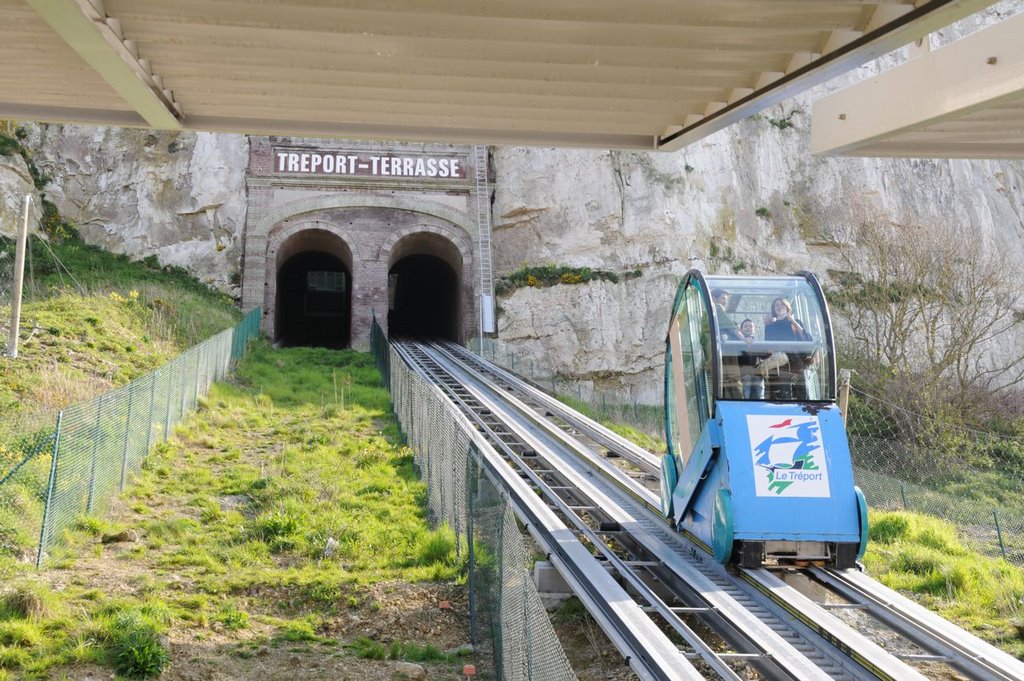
[[426, 207], [309, 285], [425, 282], [370, 226]]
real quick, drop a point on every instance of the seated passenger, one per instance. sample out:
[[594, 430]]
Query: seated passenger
[[732, 388], [727, 328], [787, 381], [750, 375]]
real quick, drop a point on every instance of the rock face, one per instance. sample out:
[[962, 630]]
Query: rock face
[[178, 196], [749, 199], [15, 183]]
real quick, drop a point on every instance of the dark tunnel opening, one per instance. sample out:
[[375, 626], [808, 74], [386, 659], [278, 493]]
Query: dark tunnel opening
[[314, 301], [423, 298]]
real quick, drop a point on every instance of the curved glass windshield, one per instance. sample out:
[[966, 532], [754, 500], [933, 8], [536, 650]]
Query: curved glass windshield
[[688, 370], [772, 334]]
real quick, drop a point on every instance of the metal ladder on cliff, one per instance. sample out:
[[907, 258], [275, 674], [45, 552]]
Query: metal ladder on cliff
[[483, 221]]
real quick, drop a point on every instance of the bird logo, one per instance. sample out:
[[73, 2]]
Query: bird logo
[[802, 438]]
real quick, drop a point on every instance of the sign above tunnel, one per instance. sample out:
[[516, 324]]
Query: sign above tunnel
[[338, 162]]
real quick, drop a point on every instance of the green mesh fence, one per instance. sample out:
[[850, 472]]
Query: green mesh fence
[[511, 628], [379, 348], [986, 528], [75, 464], [908, 461]]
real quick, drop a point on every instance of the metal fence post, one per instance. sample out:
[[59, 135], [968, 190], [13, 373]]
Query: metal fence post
[[471, 546], [183, 398], [152, 403], [999, 533], [170, 404], [43, 538], [19, 278], [127, 432], [95, 452], [844, 394], [903, 494]]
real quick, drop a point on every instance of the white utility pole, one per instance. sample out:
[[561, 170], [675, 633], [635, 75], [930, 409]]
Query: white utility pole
[[19, 278]]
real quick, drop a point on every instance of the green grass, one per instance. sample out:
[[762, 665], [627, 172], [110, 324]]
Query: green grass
[[922, 555], [316, 376], [298, 468], [81, 346], [134, 645], [182, 308], [650, 418], [107, 322]]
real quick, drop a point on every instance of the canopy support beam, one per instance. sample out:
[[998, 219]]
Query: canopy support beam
[[97, 39]]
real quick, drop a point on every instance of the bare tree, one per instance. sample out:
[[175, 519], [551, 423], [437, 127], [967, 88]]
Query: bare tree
[[927, 306]]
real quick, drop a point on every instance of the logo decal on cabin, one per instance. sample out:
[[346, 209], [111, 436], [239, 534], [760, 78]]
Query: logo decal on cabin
[[788, 457]]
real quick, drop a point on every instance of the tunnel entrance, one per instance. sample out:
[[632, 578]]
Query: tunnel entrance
[[424, 288], [314, 292]]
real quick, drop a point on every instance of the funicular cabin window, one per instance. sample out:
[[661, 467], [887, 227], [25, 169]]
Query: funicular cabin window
[[784, 354], [325, 294]]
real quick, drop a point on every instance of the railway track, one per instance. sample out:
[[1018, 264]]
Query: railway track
[[571, 477]]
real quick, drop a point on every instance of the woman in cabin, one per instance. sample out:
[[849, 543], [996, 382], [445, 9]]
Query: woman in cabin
[[786, 382]]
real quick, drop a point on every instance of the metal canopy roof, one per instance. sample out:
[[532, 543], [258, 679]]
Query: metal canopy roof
[[965, 100], [648, 74]]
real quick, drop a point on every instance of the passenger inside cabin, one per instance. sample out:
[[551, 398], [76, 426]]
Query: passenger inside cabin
[[786, 382], [727, 327], [750, 373], [732, 387]]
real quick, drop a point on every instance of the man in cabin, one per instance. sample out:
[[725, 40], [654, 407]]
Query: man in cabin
[[728, 330], [727, 327]]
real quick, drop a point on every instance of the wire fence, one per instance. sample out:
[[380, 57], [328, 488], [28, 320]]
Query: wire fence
[[76, 463], [510, 626], [908, 461]]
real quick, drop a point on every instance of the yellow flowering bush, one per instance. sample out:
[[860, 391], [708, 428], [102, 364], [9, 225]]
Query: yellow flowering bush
[[570, 278]]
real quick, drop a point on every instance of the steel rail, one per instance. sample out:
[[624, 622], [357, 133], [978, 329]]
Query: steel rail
[[701, 649], [945, 641], [648, 651], [817, 621], [733, 605], [865, 652], [636, 455], [940, 637], [643, 495]]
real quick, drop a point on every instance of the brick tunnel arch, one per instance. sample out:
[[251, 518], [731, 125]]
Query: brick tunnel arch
[[425, 287], [312, 287]]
